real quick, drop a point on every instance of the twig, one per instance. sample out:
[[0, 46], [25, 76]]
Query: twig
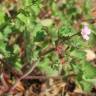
[[32, 68], [46, 51], [35, 77], [42, 77]]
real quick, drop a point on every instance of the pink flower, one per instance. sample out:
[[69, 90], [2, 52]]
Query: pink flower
[[85, 32]]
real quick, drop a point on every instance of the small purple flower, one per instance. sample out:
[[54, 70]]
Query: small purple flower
[[85, 32]]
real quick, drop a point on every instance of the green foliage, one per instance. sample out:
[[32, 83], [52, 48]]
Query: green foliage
[[43, 34]]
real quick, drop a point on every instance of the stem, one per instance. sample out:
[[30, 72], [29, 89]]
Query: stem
[[46, 51]]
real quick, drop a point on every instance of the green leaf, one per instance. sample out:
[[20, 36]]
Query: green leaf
[[76, 68], [1, 36], [40, 36], [36, 29], [55, 9], [93, 81], [18, 64], [7, 30], [87, 7], [36, 9], [86, 86], [78, 54], [27, 2], [16, 49], [46, 68], [18, 25], [77, 41], [22, 17], [88, 70], [67, 31], [92, 39], [2, 17], [2, 47]]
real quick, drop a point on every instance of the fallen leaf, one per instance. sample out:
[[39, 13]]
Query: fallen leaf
[[90, 55], [19, 87]]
